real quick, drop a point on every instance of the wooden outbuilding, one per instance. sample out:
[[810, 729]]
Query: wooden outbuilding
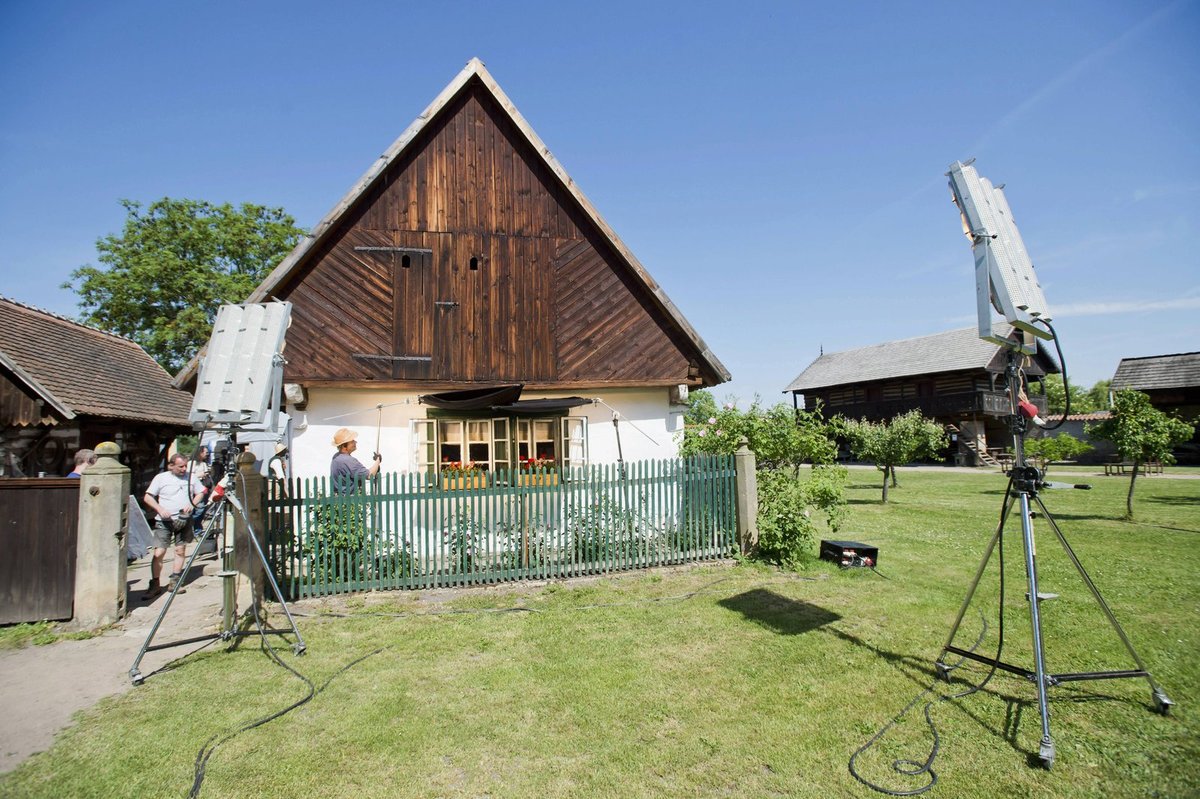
[[466, 259], [1173, 384], [66, 386], [955, 378]]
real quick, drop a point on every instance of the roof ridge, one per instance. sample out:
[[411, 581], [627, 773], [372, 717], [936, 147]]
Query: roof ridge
[[893, 342], [26, 306], [475, 70], [1148, 357]]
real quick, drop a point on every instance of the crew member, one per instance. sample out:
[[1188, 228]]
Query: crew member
[[346, 473]]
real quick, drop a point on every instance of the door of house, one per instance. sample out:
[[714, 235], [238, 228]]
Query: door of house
[[414, 279]]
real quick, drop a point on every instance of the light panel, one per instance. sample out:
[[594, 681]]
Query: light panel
[[242, 365], [1004, 276]]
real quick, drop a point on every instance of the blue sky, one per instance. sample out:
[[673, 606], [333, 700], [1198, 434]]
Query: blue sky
[[779, 170]]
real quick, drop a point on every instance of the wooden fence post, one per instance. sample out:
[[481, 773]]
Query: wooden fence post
[[747, 497], [100, 591], [250, 488]]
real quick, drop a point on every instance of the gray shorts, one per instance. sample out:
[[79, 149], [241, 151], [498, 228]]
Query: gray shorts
[[164, 537]]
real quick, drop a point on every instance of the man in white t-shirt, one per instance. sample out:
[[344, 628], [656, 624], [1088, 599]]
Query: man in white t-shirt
[[172, 497]]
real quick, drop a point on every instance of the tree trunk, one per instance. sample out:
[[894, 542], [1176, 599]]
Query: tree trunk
[[892, 469], [1129, 499], [885, 483]]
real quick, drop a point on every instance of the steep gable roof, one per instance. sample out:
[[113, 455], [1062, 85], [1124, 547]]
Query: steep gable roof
[[952, 351], [474, 73], [81, 371], [1158, 371]]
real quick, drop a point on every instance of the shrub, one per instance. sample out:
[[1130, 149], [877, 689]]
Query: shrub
[[786, 510]]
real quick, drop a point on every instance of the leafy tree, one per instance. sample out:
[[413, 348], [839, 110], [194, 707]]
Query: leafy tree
[[1098, 395], [1059, 448], [781, 439], [1056, 394], [1141, 433], [780, 436], [787, 507], [164, 276], [907, 437]]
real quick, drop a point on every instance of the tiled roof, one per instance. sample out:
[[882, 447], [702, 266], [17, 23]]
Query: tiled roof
[[1093, 416], [82, 371], [952, 351], [1158, 371]]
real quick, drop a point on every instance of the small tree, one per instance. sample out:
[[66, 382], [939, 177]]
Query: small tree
[[1062, 447], [1056, 396], [905, 438], [1141, 433], [780, 436], [782, 439], [164, 276]]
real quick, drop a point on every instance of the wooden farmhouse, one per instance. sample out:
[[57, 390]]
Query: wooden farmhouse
[[1173, 384], [465, 302], [955, 378], [65, 386]]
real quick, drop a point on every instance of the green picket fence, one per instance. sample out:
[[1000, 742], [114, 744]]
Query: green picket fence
[[416, 530]]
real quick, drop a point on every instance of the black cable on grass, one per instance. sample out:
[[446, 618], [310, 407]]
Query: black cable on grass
[[210, 746], [913, 768]]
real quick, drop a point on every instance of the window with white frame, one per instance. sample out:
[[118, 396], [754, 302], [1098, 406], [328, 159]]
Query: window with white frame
[[491, 444]]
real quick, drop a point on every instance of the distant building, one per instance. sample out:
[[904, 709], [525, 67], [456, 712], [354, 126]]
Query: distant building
[[65, 386], [955, 378], [1173, 384]]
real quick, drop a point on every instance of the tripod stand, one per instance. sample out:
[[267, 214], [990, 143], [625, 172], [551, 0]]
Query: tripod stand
[[228, 499], [1024, 483]]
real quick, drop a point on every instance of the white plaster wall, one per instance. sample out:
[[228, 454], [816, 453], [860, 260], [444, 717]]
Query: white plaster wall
[[649, 426]]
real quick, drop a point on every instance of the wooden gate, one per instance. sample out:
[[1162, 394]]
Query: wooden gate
[[39, 518]]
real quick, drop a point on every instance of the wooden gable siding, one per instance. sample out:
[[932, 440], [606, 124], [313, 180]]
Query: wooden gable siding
[[547, 302], [604, 333], [19, 407]]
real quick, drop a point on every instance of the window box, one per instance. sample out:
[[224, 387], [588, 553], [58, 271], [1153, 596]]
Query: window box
[[462, 482], [538, 479]]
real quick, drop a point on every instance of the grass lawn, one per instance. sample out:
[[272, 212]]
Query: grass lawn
[[729, 680]]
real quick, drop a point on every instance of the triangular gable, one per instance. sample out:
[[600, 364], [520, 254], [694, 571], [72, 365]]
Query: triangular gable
[[585, 336]]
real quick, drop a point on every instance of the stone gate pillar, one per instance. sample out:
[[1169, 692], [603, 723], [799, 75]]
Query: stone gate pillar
[[100, 590]]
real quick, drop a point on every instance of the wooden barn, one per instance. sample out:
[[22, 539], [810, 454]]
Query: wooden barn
[[464, 301], [65, 386], [954, 377], [1173, 384]]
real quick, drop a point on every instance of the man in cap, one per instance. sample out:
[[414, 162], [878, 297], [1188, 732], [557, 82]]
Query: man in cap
[[346, 473]]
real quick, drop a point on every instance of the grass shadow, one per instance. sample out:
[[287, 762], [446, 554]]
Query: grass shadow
[[779, 613]]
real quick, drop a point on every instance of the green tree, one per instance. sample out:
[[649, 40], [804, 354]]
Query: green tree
[[1098, 395], [780, 436], [1045, 451], [903, 439], [1141, 433], [781, 439], [1081, 400], [164, 276]]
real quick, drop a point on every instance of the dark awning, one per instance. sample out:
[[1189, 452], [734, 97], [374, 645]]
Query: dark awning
[[473, 399], [540, 406]]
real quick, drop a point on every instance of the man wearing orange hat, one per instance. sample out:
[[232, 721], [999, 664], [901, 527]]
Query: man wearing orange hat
[[346, 473]]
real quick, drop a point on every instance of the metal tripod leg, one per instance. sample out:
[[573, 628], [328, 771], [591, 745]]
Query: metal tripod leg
[[1162, 703], [134, 674], [299, 647], [943, 670], [1046, 749]]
